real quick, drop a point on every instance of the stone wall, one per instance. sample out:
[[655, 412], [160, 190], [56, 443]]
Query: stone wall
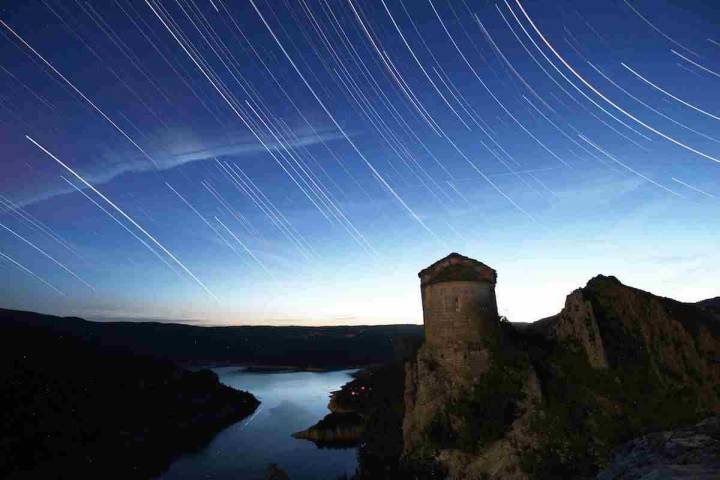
[[458, 311], [458, 316]]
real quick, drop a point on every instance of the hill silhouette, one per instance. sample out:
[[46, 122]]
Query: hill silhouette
[[73, 407], [301, 347]]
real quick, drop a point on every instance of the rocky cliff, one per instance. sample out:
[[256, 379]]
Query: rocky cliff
[[560, 395], [688, 453], [614, 324]]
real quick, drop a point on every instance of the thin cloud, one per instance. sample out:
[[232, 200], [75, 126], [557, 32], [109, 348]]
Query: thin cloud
[[113, 167]]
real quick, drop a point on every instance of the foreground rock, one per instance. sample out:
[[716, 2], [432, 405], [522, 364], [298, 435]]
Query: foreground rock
[[70, 408], [686, 453], [487, 400]]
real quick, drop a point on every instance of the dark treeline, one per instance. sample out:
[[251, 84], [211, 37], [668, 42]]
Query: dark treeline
[[313, 347]]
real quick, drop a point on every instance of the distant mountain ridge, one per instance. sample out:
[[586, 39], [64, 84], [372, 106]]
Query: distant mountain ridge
[[292, 346]]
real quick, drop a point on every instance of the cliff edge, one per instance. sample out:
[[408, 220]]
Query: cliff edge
[[557, 397]]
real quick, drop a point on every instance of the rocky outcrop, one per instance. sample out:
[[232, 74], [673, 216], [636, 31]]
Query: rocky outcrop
[[553, 399], [443, 421], [428, 389], [577, 322], [617, 324], [686, 453], [501, 459]]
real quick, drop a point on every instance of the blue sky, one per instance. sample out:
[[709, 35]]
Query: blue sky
[[231, 162]]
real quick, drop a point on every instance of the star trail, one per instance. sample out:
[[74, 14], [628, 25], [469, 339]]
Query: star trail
[[297, 161]]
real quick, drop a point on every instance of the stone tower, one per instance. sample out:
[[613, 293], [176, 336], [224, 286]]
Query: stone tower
[[459, 312]]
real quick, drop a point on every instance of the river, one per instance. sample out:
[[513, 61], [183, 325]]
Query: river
[[291, 401]]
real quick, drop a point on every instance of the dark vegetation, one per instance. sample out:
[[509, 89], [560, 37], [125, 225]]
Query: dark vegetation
[[336, 430], [587, 413], [299, 347], [72, 408], [378, 401], [384, 408]]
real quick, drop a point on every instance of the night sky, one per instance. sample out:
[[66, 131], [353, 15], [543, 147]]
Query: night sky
[[297, 162]]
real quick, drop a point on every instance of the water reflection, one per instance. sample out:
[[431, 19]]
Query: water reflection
[[291, 401]]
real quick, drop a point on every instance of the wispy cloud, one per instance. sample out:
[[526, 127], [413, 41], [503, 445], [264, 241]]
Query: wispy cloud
[[184, 151]]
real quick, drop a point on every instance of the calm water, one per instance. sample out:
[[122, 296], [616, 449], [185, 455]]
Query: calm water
[[290, 402]]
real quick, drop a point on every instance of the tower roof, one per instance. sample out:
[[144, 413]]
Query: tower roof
[[456, 267]]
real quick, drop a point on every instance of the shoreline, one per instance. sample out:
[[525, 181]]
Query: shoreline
[[261, 368]]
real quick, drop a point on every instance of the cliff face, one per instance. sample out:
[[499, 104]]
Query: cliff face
[[620, 326], [558, 396], [428, 389], [467, 430], [577, 322]]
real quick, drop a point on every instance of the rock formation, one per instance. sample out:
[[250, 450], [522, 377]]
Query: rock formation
[[680, 342], [488, 400], [689, 453], [577, 322]]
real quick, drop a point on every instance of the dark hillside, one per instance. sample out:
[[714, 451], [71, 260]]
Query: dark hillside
[[320, 347], [72, 409], [712, 305]]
